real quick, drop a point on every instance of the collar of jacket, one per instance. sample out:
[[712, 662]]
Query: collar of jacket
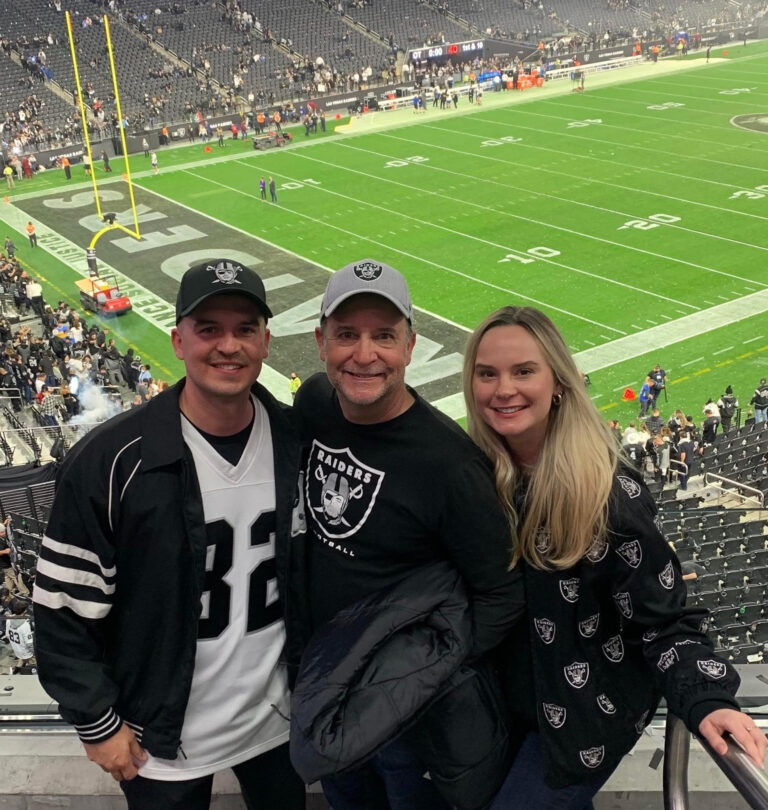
[[161, 421]]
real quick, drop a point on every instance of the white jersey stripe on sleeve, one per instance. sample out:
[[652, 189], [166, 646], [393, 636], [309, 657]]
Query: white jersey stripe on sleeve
[[57, 600], [74, 576], [76, 551]]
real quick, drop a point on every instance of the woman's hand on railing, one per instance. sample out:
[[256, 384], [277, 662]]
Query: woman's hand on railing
[[741, 727]]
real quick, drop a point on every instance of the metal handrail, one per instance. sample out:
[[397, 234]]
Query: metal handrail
[[750, 781], [677, 746], [711, 479]]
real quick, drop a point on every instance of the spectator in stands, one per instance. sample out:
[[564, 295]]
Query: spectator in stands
[[760, 401], [685, 455], [586, 531], [49, 407], [35, 290], [12, 579], [654, 422], [21, 637], [727, 405], [675, 423], [710, 423], [437, 503], [218, 673]]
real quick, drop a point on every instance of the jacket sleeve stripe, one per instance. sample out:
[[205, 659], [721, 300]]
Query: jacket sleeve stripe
[[76, 551], [100, 730], [61, 573], [57, 599]]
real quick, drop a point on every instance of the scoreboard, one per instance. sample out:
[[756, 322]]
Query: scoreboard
[[447, 51]]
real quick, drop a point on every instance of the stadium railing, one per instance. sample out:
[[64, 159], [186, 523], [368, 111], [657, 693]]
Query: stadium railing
[[729, 486], [749, 780]]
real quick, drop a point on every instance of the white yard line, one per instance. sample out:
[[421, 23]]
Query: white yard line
[[390, 246]]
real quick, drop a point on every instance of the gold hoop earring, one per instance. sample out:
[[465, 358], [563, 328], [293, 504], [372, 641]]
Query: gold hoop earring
[[557, 400]]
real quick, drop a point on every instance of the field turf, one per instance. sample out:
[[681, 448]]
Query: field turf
[[635, 214]]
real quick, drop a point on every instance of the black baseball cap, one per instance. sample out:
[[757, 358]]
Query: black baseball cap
[[218, 277]]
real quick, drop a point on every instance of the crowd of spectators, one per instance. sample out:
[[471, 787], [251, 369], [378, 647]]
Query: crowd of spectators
[[59, 363], [654, 442]]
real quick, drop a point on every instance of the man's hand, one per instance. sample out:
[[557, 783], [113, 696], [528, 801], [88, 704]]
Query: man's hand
[[120, 755], [742, 728]]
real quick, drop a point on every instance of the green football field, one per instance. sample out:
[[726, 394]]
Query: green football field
[[635, 214]]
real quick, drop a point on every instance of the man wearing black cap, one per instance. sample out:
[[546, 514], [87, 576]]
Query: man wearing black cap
[[391, 485], [161, 580]]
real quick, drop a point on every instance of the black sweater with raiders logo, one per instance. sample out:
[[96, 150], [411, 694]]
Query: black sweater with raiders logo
[[606, 639], [384, 499]]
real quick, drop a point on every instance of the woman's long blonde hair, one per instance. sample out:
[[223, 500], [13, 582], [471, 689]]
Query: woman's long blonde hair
[[566, 500]]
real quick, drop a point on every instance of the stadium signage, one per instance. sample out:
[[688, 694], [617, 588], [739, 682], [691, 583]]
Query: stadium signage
[[449, 50]]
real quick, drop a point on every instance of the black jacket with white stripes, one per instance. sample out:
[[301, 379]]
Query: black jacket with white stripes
[[607, 638], [122, 567]]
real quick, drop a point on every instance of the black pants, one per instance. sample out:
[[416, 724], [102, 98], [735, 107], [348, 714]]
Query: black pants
[[268, 782]]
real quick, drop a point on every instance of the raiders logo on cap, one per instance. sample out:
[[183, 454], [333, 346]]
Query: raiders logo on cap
[[577, 674], [632, 488], [546, 630], [614, 649], [592, 757], [555, 714], [712, 669], [667, 576], [667, 659], [597, 550], [226, 272], [569, 589], [367, 271], [631, 553], [605, 703], [624, 604], [588, 626]]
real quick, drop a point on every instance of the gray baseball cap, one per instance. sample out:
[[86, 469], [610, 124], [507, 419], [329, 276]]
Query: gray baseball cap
[[367, 276]]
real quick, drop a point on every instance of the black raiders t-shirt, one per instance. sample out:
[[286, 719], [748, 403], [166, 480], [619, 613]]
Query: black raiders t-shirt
[[383, 499]]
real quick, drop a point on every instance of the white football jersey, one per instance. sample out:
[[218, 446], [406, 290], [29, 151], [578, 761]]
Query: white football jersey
[[238, 705]]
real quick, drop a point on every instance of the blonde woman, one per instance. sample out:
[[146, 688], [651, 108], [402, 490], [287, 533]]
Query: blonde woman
[[607, 632]]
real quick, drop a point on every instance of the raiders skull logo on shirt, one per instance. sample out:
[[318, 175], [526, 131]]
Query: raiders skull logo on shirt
[[631, 553], [546, 630], [667, 576], [712, 669], [569, 589], [614, 649], [577, 674], [588, 626], [632, 488], [604, 702], [667, 659], [597, 550], [624, 604], [592, 757], [555, 714]]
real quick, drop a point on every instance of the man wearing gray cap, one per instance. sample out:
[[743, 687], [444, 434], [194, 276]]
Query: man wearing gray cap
[[161, 581], [391, 485]]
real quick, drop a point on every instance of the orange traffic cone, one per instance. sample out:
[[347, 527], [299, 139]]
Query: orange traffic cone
[[628, 395]]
